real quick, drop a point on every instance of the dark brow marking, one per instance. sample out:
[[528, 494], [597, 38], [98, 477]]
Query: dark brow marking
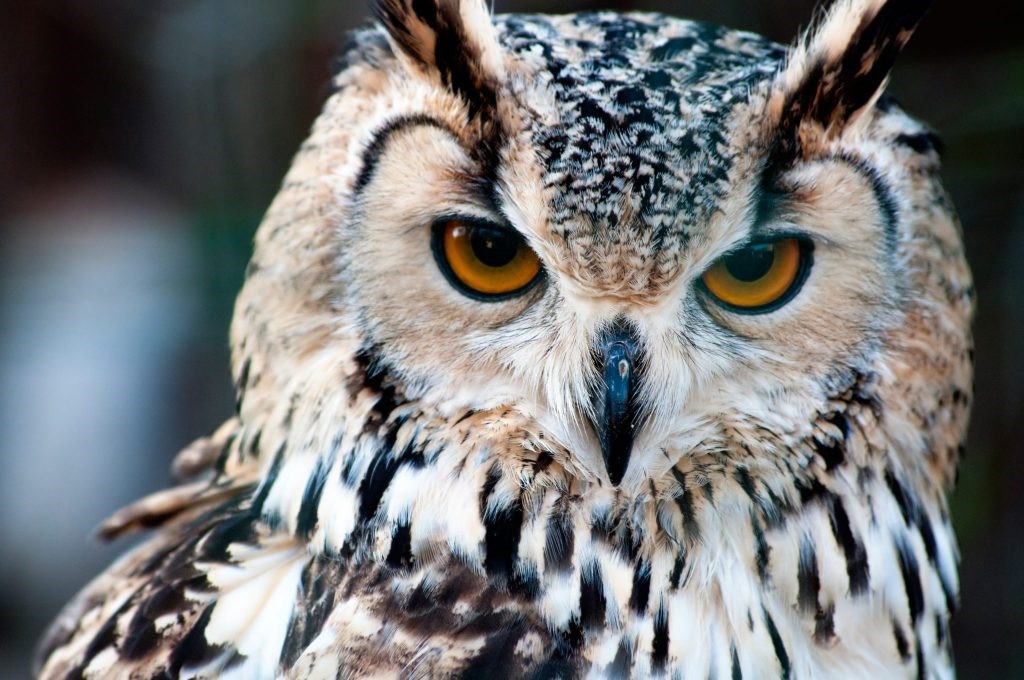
[[882, 192], [375, 149]]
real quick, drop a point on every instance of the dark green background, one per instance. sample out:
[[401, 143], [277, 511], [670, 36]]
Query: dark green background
[[141, 141]]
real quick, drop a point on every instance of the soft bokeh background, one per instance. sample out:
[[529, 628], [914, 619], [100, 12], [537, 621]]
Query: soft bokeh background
[[140, 143]]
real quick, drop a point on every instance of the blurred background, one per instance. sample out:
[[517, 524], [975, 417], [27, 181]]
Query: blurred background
[[140, 143]]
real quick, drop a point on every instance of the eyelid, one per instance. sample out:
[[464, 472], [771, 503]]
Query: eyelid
[[778, 229], [481, 217]]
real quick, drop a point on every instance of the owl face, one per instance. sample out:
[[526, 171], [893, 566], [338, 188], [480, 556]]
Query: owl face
[[639, 235]]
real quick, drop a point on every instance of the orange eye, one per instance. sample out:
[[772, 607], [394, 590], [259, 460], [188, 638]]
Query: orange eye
[[759, 277], [485, 260]]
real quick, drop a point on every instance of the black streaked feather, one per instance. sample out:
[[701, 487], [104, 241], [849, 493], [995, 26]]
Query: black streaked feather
[[641, 593], [808, 580], [762, 551], [306, 520], [659, 645], [559, 542], [194, 650], [737, 672], [375, 484], [911, 578], [777, 644], [503, 527], [853, 549], [592, 599], [400, 553]]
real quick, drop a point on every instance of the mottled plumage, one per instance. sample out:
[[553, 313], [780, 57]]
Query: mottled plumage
[[420, 482]]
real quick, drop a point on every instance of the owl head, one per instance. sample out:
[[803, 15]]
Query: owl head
[[627, 239]]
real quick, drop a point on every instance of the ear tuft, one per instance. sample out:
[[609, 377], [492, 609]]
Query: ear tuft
[[451, 39], [840, 66]]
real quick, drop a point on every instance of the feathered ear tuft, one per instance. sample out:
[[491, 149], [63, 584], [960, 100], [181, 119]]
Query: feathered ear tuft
[[840, 65], [450, 39]]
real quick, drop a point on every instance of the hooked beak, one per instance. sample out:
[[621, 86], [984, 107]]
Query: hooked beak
[[615, 401]]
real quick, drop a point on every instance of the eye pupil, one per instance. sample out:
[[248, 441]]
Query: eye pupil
[[493, 247], [752, 263]]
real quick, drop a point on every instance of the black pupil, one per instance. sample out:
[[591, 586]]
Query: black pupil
[[493, 247], [751, 263]]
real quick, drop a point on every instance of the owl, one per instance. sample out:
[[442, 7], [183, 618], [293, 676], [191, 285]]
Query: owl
[[599, 345]]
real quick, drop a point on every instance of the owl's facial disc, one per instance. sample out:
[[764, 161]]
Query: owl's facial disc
[[625, 300], [619, 361]]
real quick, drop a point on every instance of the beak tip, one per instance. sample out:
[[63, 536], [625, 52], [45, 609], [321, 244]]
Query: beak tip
[[616, 447], [616, 475]]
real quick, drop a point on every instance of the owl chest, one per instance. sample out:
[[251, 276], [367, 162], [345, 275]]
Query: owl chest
[[447, 568], [745, 598]]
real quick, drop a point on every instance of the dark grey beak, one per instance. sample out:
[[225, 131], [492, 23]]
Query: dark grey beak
[[615, 403]]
